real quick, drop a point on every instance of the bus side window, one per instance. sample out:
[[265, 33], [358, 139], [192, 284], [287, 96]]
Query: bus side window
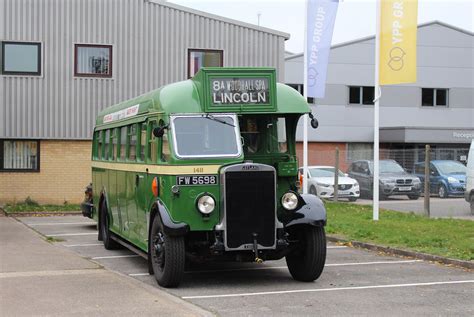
[[123, 143], [132, 149], [115, 134], [98, 142], [107, 145], [165, 148], [153, 143], [281, 135], [142, 141]]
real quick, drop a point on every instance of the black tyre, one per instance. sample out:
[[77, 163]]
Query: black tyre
[[109, 243], [414, 197], [442, 191], [472, 204], [352, 199], [167, 255], [313, 191], [306, 263]]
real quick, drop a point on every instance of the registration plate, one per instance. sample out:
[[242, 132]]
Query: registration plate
[[404, 189], [191, 180]]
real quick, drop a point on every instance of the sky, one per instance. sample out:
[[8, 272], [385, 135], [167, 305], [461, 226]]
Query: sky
[[355, 18]]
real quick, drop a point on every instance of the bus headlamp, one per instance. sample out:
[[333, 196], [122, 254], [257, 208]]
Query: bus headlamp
[[289, 201], [206, 204]]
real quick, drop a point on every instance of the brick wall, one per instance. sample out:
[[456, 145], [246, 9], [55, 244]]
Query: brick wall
[[323, 154], [65, 170]]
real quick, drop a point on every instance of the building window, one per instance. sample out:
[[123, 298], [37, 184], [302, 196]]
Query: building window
[[300, 89], [203, 58], [19, 155], [21, 58], [361, 95], [93, 60], [431, 97]]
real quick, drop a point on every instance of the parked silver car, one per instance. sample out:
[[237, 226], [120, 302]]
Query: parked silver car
[[394, 180], [321, 183]]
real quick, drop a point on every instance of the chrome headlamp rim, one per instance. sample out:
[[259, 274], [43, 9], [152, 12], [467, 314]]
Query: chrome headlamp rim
[[289, 201], [205, 204]]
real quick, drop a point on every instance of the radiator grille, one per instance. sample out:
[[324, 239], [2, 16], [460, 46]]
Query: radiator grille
[[250, 207]]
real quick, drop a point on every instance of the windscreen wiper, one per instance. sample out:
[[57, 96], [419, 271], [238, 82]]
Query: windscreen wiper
[[211, 117]]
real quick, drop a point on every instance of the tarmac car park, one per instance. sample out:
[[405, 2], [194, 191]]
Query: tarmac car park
[[355, 281]]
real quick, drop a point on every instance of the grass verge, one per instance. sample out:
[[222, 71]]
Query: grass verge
[[23, 207], [450, 238]]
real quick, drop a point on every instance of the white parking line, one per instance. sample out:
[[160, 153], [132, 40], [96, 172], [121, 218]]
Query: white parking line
[[60, 223], [115, 257], [285, 267], [82, 245], [71, 234], [139, 274], [327, 289], [336, 247]]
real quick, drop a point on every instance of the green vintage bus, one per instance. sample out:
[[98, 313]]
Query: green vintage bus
[[206, 169]]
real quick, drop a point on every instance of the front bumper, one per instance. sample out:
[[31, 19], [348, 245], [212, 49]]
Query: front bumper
[[390, 190], [456, 189], [328, 192]]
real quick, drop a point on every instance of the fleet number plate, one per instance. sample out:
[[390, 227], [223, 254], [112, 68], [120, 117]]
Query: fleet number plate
[[190, 180]]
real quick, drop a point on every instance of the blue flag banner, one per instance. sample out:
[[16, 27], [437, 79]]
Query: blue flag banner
[[321, 16]]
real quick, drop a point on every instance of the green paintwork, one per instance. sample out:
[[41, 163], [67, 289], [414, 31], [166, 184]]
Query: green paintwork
[[128, 193]]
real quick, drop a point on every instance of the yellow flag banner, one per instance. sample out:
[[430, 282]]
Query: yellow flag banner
[[398, 28]]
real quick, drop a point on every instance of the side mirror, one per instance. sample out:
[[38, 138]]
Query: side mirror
[[159, 131], [314, 121]]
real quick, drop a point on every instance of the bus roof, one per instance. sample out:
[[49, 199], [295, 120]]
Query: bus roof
[[213, 90]]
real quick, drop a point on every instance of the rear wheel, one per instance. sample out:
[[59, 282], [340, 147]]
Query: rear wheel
[[109, 243], [167, 255], [306, 263], [442, 192]]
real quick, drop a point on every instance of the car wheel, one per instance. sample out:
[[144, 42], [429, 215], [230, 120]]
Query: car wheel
[[306, 262], [167, 255], [352, 199], [442, 192], [109, 243], [313, 191], [414, 197]]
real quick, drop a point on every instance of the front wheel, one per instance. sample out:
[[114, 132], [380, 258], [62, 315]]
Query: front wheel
[[312, 191], [352, 199], [414, 197], [167, 255], [442, 191], [306, 263]]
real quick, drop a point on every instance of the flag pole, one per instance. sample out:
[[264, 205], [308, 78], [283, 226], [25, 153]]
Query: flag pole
[[305, 95], [377, 95]]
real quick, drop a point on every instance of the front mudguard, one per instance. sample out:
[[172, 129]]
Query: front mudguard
[[311, 212], [170, 227]]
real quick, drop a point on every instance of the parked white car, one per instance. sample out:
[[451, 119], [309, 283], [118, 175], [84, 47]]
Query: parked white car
[[321, 183]]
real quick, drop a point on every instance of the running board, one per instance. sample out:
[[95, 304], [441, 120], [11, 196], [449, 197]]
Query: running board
[[129, 246]]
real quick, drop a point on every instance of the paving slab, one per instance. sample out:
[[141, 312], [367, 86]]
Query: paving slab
[[42, 279]]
